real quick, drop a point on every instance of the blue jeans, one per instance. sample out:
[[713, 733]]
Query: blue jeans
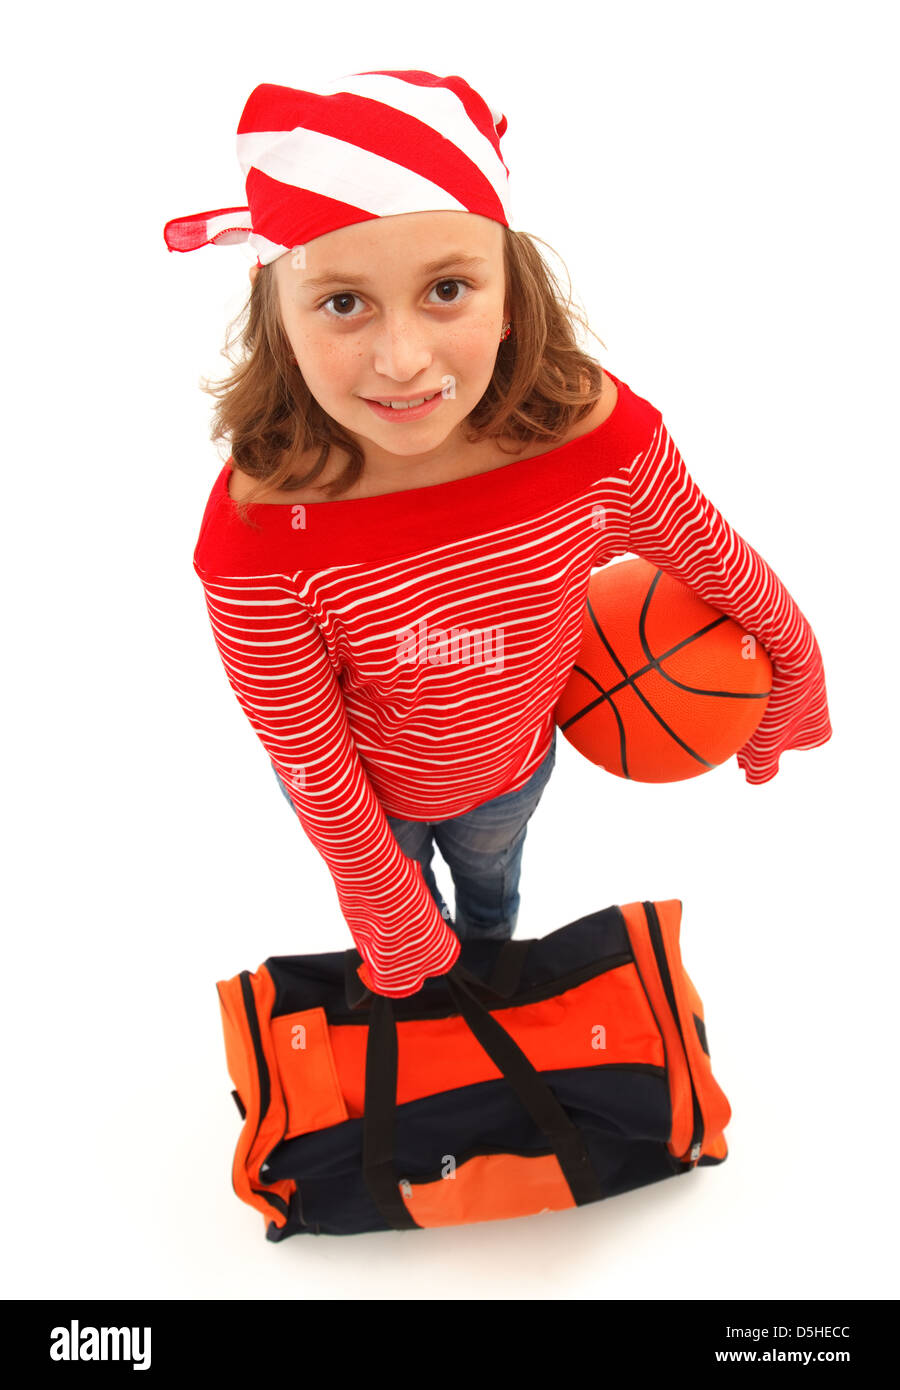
[[483, 851]]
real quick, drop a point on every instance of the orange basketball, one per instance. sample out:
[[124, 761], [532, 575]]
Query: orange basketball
[[665, 686]]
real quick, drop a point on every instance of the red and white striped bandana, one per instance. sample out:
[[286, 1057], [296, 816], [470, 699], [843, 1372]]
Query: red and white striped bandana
[[373, 144]]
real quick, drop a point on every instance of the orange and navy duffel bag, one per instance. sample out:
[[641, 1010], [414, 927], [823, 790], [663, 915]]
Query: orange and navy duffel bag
[[535, 1075]]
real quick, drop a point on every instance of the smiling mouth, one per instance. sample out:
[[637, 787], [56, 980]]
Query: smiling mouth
[[403, 405]]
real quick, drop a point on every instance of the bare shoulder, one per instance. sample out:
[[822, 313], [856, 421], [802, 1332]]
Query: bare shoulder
[[609, 394], [601, 410], [241, 484], [604, 406]]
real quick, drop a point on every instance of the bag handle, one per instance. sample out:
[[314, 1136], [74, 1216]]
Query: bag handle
[[379, 1116], [504, 979]]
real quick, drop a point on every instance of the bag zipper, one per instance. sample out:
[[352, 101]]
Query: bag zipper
[[659, 950], [477, 1151], [265, 1093]]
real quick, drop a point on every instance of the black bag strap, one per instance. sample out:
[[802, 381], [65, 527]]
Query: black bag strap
[[504, 978], [379, 1115], [354, 989], [508, 966]]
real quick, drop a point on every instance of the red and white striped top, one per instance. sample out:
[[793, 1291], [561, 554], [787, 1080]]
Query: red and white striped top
[[334, 622]]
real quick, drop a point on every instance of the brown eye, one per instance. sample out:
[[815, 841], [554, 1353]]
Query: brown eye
[[337, 298], [450, 284]]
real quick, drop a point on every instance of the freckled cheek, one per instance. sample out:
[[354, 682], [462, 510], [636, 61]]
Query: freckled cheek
[[328, 361], [472, 346]]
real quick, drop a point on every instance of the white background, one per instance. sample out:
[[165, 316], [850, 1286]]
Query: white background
[[720, 183]]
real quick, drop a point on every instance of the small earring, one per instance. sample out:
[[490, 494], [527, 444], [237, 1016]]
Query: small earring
[[506, 331]]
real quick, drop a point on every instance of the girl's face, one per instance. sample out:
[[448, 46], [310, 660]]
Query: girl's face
[[397, 307]]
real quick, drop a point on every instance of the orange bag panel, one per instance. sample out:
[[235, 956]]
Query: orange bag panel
[[489, 1187], [238, 1047], [308, 1075], [605, 1019]]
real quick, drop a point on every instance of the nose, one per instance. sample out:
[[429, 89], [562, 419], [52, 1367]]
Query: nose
[[402, 350]]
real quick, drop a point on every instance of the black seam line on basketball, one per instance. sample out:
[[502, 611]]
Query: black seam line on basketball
[[659, 719], [642, 633], [606, 695], [618, 718], [716, 622], [655, 666], [630, 681]]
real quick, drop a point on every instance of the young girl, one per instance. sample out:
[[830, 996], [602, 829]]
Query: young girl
[[425, 469]]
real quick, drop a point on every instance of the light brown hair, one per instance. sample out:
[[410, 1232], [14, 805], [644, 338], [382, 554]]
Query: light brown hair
[[543, 383]]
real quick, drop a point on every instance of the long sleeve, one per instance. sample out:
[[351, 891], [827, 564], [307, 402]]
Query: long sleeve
[[675, 527], [284, 680]]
